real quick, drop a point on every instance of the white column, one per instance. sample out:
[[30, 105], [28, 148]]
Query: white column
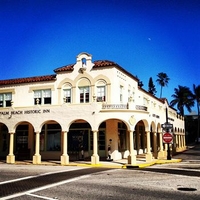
[[148, 155], [184, 144], [132, 156], [95, 156], [37, 156], [11, 157], [65, 157], [161, 154], [154, 145], [176, 141], [179, 141]]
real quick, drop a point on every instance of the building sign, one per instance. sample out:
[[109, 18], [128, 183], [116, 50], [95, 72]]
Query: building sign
[[22, 112]]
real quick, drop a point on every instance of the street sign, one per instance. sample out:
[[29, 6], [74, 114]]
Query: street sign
[[167, 137], [167, 125]]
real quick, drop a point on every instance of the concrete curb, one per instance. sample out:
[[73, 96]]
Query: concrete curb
[[127, 166]]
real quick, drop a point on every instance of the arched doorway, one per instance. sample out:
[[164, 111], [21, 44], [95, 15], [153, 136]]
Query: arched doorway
[[79, 137], [50, 141], [116, 139], [23, 141], [140, 141]]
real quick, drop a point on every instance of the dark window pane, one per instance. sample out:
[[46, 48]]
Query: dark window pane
[[87, 97], [81, 98], [8, 103], [47, 100], [68, 99]]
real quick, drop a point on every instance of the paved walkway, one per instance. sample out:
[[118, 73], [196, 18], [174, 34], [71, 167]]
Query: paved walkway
[[140, 163]]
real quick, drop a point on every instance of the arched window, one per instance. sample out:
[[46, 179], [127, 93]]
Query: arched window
[[84, 90], [101, 91], [67, 93]]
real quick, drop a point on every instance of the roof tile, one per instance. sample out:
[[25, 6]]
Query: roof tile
[[28, 80], [65, 68]]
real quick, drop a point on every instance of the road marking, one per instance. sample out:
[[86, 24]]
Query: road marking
[[15, 180], [28, 177], [46, 187], [41, 197]]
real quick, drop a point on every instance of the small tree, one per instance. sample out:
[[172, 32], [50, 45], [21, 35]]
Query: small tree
[[152, 88]]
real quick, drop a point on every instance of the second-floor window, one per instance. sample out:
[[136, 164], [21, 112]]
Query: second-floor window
[[84, 94], [42, 97], [5, 99], [67, 95], [101, 93]]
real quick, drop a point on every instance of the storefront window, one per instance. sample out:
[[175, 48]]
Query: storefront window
[[50, 137], [77, 140]]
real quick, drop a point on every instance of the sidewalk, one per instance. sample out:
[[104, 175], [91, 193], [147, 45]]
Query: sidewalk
[[140, 163]]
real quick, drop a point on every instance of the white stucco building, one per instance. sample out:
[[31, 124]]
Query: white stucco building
[[79, 111]]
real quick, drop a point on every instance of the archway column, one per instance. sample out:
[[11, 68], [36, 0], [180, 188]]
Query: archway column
[[65, 157], [37, 156], [95, 156], [154, 145], [184, 143], [179, 141], [11, 157], [161, 153], [149, 154], [176, 141], [132, 156]]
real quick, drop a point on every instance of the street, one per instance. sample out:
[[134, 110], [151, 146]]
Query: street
[[168, 181]]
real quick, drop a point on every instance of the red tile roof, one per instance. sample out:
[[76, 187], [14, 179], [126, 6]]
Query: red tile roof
[[97, 64], [107, 63], [104, 63], [28, 80], [65, 68]]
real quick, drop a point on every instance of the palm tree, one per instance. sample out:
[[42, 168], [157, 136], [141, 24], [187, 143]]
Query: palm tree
[[162, 80], [196, 97], [183, 97]]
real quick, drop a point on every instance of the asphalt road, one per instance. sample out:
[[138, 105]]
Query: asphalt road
[[168, 181]]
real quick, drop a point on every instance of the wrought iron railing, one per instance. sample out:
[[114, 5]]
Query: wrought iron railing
[[114, 106], [138, 107], [122, 106]]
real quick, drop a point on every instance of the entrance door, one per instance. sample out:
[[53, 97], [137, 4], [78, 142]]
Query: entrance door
[[4, 141], [78, 144], [22, 151]]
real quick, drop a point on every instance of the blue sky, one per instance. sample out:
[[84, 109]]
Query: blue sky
[[144, 37]]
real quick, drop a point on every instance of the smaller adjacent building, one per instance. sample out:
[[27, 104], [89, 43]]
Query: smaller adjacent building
[[84, 110]]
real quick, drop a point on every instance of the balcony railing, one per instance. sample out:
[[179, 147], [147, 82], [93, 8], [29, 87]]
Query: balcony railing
[[122, 106], [114, 106], [138, 107]]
